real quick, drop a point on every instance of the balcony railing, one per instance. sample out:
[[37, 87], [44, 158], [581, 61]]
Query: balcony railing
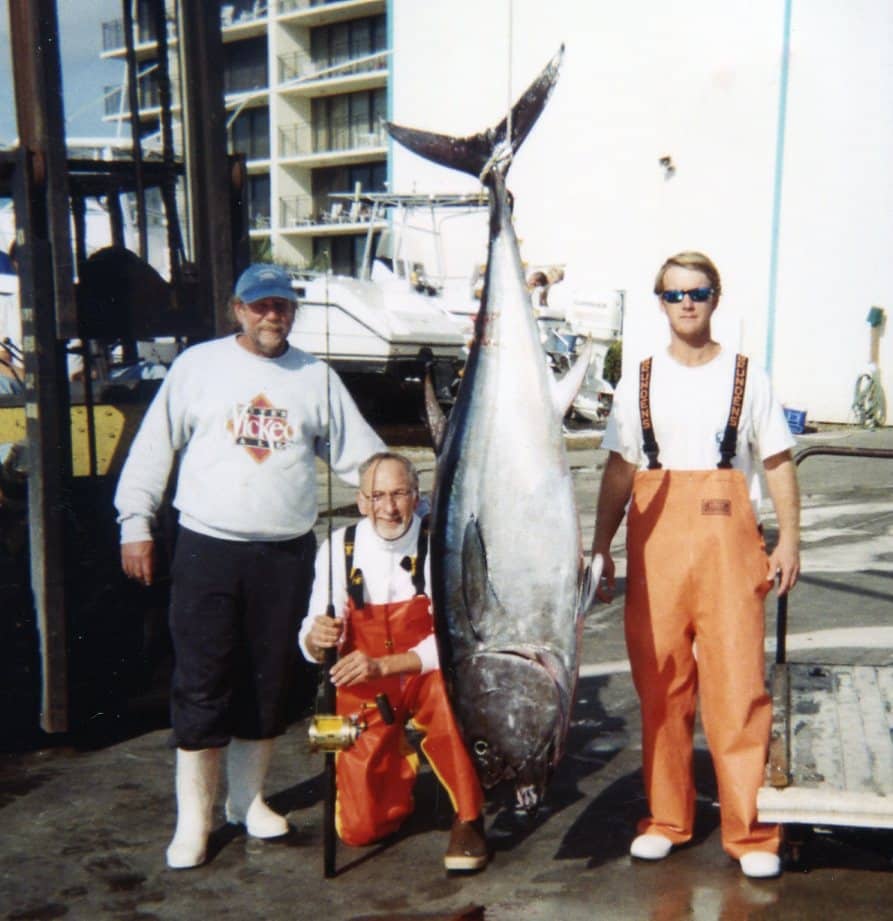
[[118, 103], [301, 140], [241, 78], [237, 14], [306, 211], [301, 66], [291, 6], [231, 14], [113, 33]]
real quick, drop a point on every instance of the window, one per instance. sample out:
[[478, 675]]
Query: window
[[259, 201], [251, 133], [245, 65], [350, 120], [343, 254], [344, 41]]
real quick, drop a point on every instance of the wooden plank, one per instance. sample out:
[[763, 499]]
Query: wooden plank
[[853, 750], [778, 769], [876, 731], [841, 728], [815, 751]]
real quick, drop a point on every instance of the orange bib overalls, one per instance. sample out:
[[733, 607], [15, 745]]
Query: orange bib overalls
[[698, 572], [376, 775]]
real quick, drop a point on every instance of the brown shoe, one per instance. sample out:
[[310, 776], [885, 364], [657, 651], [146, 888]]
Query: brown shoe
[[467, 849]]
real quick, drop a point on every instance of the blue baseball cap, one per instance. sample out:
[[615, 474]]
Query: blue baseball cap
[[264, 279]]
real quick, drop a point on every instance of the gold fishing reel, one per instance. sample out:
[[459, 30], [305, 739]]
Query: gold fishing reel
[[329, 732], [332, 733]]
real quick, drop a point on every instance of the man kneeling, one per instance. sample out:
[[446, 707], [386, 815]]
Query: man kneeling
[[386, 644]]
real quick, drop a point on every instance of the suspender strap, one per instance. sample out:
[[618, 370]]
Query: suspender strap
[[729, 443], [649, 442], [415, 565], [418, 572], [353, 577]]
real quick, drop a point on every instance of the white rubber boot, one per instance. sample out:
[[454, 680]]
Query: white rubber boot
[[247, 763], [196, 784]]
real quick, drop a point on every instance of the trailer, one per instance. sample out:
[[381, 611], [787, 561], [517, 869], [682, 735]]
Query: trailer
[[831, 746]]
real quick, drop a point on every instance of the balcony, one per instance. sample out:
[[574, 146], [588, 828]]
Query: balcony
[[117, 102], [240, 15], [144, 37], [237, 20], [300, 75], [244, 78], [311, 13], [305, 214], [338, 142]]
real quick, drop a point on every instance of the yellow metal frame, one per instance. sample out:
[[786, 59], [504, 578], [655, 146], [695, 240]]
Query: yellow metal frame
[[114, 426]]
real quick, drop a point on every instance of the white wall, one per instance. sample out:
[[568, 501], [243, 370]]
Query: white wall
[[697, 81]]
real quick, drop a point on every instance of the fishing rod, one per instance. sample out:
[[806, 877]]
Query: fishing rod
[[329, 732]]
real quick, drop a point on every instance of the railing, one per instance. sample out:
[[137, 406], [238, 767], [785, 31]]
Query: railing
[[259, 220], [307, 211], [301, 66], [292, 6], [117, 102], [237, 14], [300, 140], [144, 32], [231, 14], [241, 78]]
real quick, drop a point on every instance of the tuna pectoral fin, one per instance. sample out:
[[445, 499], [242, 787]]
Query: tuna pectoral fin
[[477, 591], [472, 154], [589, 586], [565, 390]]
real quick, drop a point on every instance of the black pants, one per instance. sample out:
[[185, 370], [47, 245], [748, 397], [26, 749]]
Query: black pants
[[234, 616]]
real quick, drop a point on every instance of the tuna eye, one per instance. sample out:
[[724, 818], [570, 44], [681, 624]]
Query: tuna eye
[[481, 747]]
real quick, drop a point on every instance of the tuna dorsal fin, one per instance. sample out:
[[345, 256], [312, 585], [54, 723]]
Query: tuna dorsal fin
[[472, 154], [565, 390], [477, 592]]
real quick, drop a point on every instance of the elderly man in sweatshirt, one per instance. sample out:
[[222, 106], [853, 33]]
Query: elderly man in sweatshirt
[[245, 416]]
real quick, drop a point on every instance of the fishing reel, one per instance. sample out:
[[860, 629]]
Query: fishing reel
[[330, 732]]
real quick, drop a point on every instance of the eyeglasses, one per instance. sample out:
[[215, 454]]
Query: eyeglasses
[[398, 495], [676, 295], [263, 307]]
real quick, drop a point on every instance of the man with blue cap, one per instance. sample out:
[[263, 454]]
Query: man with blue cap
[[245, 416]]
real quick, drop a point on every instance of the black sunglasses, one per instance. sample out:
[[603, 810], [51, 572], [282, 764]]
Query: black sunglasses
[[676, 296]]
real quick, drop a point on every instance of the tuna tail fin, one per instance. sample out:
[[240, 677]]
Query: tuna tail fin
[[474, 154]]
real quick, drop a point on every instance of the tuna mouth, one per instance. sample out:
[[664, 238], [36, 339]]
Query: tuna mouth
[[512, 704]]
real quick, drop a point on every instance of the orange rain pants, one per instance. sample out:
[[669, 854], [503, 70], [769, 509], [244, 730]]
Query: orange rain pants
[[376, 775], [698, 572]]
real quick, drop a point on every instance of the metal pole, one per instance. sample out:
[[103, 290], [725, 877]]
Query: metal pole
[[328, 700], [135, 140]]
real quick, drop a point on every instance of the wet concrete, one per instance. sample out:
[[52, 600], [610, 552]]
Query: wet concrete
[[84, 820]]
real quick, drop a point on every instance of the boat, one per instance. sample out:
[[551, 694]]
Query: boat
[[386, 329], [381, 336]]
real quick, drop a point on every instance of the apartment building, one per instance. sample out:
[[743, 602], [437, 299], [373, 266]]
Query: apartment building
[[306, 84]]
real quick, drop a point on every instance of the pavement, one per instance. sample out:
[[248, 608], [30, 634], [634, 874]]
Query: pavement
[[85, 819]]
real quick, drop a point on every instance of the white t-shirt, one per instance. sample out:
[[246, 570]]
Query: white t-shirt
[[690, 409], [385, 580]]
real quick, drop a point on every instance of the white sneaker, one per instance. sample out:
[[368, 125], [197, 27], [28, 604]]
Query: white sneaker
[[760, 864], [650, 847]]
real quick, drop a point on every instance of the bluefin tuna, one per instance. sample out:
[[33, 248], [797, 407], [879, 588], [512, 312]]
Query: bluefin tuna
[[509, 585]]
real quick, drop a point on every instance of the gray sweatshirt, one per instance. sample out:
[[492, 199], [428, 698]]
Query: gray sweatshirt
[[247, 431]]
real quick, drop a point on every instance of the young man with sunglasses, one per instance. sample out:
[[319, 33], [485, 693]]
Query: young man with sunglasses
[[245, 417], [686, 435], [384, 634]]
